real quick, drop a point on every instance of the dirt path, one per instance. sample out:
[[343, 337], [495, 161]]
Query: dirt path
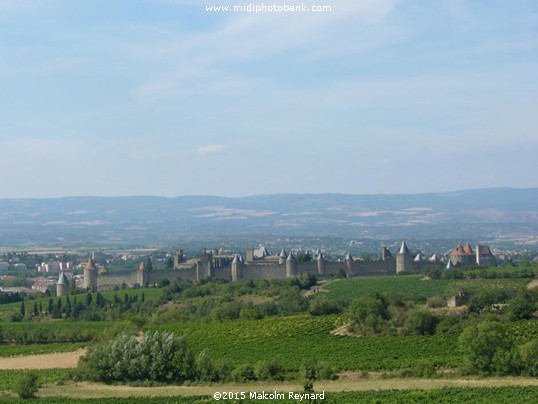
[[45, 361], [532, 284], [348, 382]]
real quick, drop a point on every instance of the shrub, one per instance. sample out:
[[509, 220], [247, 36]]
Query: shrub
[[435, 302], [265, 370], [314, 370], [27, 386], [158, 357], [323, 306], [529, 358], [488, 348], [243, 373], [420, 323]]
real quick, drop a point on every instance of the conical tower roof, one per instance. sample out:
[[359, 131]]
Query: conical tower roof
[[418, 258], [320, 257], [103, 270], [349, 257], [62, 279], [142, 267], [404, 249], [458, 250], [90, 265], [283, 254], [236, 260], [468, 249], [291, 258], [449, 265]]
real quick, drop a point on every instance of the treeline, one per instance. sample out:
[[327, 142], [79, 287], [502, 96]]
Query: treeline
[[86, 306]]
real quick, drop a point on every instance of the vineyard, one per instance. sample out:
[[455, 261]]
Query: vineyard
[[293, 340], [415, 287]]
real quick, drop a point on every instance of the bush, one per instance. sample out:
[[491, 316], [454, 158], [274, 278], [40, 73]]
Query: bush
[[436, 302], [27, 386], [488, 349], [521, 307], [420, 323], [158, 357], [529, 358], [269, 371], [314, 370], [243, 373], [322, 307]]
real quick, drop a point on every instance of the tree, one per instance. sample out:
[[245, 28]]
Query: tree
[[22, 310], [420, 322], [488, 349], [370, 311], [521, 307], [148, 264], [89, 299]]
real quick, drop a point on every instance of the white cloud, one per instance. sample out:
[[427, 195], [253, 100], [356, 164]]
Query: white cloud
[[211, 149]]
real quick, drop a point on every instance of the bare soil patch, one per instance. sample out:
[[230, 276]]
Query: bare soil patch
[[61, 360], [532, 284]]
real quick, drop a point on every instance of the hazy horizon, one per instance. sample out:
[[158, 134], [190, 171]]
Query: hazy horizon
[[164, 98]]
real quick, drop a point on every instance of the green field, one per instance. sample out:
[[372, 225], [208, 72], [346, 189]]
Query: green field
[[35, 349], [9, 378], [412, 287], [293, 340]]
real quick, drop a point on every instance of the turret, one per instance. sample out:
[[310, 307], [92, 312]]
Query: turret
[[349, 264], [142, 275], [90, 275], [282, 257], [403, 259], [62, 287], [237, 268], [321, 264], [291, 266]]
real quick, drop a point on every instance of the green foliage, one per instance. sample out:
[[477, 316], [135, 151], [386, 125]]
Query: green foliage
[[529, 358], [157, 357], [10, 378], [27, 386], [289, 340], [269, 370], [420, 322], [243, 373], [316, 370], [482, 395], [323, 307], [522, 306], [370, 311], [489, 349]]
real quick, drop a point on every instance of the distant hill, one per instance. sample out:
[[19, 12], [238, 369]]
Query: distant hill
[[470, 214]]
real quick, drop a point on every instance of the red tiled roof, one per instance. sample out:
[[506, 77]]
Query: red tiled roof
[[90, 265]]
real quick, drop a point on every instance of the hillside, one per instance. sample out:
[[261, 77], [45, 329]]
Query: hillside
[[497, 213]]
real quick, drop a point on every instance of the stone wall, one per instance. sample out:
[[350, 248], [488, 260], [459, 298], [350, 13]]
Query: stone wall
[[252, 271]]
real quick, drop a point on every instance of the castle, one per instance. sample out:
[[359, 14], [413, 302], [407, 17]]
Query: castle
[[465, 256], [260, 264]]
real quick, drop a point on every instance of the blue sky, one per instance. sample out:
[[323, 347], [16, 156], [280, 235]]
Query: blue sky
[[160, 97]]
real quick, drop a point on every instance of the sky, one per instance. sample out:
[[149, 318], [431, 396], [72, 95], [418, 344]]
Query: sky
[[161, 97]]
